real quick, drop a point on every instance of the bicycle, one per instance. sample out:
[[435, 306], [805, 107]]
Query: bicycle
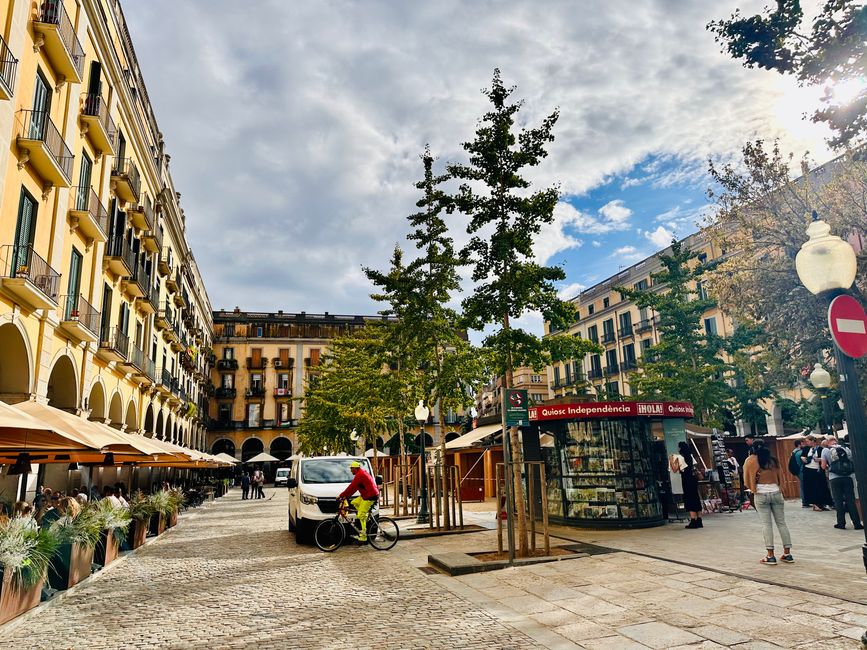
[[382, 532]]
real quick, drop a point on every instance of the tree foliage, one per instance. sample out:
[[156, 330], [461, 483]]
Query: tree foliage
[[760, 222], [832, 53]]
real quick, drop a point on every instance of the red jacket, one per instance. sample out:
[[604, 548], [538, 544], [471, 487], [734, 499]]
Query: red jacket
[[364, 484]]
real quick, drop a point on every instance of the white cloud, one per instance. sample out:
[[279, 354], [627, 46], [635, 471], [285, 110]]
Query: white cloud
[[628, 254], [660, 237], [553, 237], [296, 162], [570, 290], [596, 243]]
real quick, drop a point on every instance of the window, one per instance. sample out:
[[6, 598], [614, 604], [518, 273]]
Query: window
[[229, 329], [590, 310], [626, 323], [596, 364], [26, 226], [645, 343], [283, 380], [106, 312], [225, 413], [556, 375], [285, 414], [228, 353], [253, 414], [74, 285], [612, 389], [256, 381], [608, 330], [700, 290], [568, 369], [259, 331], [535, 379], [611, 359], [606, 303], [593, 333], [641, 285], [227, 381], [710, 326], [702, 258]]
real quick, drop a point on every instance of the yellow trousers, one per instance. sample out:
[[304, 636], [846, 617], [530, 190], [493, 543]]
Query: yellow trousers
[[362, 507]]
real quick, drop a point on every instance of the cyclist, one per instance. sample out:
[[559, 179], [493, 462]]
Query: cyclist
[[363, 483]]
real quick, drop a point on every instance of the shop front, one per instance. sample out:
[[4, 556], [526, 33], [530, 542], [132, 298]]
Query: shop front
[[606, 462]]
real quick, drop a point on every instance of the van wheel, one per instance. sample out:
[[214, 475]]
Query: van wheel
[[303, 531], [290, 526]]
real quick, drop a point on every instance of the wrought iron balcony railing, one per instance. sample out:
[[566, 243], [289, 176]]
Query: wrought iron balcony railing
[[25, 263], [76, 308]]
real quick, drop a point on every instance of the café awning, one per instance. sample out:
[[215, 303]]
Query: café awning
[[227, 458], [474, 436], [22, 433]]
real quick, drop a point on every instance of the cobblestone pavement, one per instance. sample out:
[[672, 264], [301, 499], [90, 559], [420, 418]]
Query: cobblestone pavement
[[231, 576]]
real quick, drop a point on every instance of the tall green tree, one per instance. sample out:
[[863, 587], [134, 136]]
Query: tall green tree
[[686, 364], [505, 218], [832, 54]]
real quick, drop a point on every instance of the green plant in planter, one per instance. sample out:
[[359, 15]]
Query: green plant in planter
[[176, 500], [112, 518], [141, 506], [26, 550], [161, 502], [83, 529]]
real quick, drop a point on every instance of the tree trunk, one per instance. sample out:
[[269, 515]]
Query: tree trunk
[[517, 459]]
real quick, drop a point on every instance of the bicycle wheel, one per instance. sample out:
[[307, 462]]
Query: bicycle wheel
[[382, 533], [329, 534]]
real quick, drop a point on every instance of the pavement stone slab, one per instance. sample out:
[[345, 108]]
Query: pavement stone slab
[[658, 635]]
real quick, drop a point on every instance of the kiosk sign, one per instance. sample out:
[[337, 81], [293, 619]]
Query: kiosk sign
[[612, 410], [515, 406]]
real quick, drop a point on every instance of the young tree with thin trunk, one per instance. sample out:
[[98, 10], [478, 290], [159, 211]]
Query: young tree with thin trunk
[[505, 217]]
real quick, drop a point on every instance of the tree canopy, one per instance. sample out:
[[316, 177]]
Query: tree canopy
[[832, 53]]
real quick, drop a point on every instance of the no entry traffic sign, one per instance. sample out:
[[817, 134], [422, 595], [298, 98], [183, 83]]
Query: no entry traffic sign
[[848, 324]]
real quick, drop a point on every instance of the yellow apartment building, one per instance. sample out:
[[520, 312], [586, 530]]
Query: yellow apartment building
[[102, 307], [625, 331], [262, 366]]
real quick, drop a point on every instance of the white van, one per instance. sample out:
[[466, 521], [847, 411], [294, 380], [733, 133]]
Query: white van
[[281, 476], [314, 484]]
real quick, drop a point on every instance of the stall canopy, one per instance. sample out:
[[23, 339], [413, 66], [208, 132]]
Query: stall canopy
[[227, 458], [474, 436], [22, 433], [263, 458]]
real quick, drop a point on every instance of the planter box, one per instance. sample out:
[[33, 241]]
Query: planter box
[[173, 519], [107, 549], [158, 524], [138, 531], [14, 601], [71, 565]]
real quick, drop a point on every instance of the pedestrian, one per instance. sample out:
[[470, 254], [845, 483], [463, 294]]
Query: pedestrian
[[837, 461], [796, 468], [763, 478], [245, 486], [816, 490], [750, 441], [684, 464], [260, 485]]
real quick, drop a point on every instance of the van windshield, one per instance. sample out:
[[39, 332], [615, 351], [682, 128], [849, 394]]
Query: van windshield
[[283, 471], [335, 470]]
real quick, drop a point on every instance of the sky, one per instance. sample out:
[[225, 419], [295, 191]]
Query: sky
[[295, 128]]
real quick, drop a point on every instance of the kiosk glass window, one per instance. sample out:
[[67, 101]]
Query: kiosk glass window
[[600, 470]]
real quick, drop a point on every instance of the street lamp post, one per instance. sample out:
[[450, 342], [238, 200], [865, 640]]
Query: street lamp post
[[827, 266], [821, 380], [422, 413]]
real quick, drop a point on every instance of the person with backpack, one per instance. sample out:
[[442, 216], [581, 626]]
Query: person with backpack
[[837, 461], [796, 468]]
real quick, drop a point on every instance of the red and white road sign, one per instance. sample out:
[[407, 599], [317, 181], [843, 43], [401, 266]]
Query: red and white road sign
[[848, 324]]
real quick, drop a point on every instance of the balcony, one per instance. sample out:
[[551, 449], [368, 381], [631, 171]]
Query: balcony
[[278, 362], [282, 393], [258, 364], [152, 240], [135, 360], [608, 337], [225, 393], [150, 302], [147, 374], [125, 180], [79, 319], [629, 364], [114, 345], [165, 317], [40, 144], [626, 332], [172, 282], [644, 325], [28, 277], [165, 266], [139, 281], [119, 258], [227, 364], [255, 392], [575, 378], [595, 373], [142, 214], [611, 369], [8, 68], [56, 35], [87, 213], [97, 124]]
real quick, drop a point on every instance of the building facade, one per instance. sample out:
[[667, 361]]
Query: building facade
[[604, 316], [102, 307]]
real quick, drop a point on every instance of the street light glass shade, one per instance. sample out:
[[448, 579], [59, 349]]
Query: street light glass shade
[[421, 412], [825, 261], [820, 378]]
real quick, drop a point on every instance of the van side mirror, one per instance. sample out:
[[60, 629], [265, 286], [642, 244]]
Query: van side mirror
[[291, 483], [379, 479]]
